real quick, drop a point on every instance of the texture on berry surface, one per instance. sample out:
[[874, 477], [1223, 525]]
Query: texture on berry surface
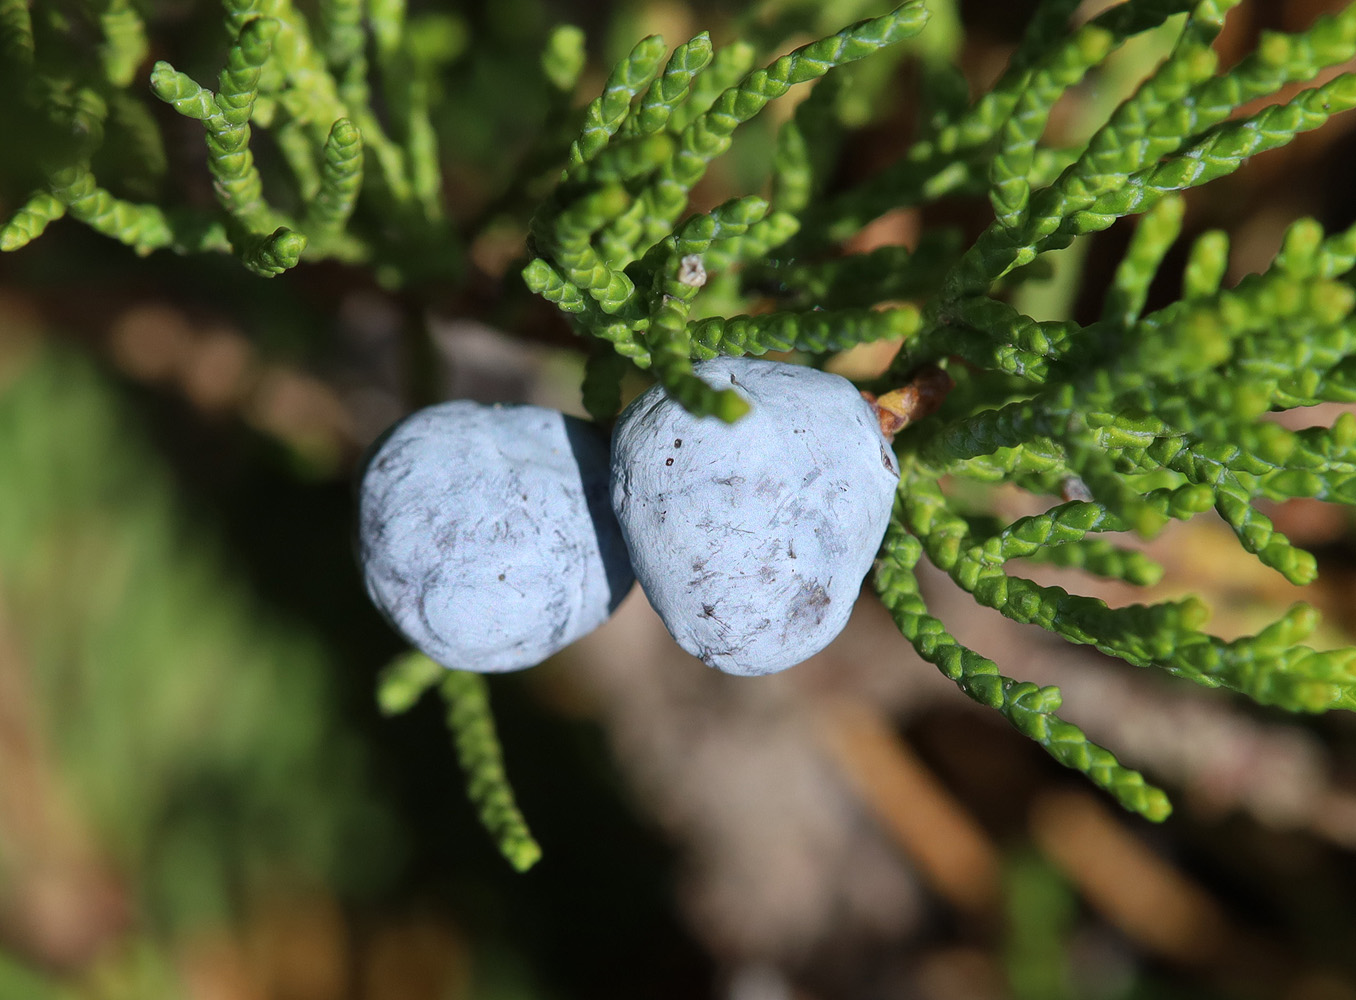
[[751, 539], [485, 534]]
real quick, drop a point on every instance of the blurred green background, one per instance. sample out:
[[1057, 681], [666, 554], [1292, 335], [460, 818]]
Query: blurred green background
[[198, 798]]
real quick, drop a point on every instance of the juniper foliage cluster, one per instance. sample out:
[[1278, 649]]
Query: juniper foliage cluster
[[1123, 424], [1131, 421]]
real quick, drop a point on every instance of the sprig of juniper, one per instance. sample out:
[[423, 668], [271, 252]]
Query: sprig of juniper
[[1029, 708], [1142, 416], [306, 82], [608, 250], [466, 695]]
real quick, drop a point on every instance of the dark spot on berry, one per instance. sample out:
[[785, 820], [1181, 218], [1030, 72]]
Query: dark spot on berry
[[677, 442], [810, 603], [501, 577], [668, 461]]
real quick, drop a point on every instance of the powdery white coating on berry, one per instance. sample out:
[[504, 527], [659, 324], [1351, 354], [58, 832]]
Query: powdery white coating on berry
[[751, 539], [485, 534]]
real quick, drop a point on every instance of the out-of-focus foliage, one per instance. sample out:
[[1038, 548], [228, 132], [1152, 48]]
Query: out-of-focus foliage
[[194, 733]]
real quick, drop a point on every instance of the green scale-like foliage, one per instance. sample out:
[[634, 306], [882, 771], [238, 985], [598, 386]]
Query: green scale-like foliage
[[403, 683], [609, 253], [1134, 420], [1145, 415], [307, 84]]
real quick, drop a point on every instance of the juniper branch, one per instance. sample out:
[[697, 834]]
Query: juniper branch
[[478, 750], [1030, 709]]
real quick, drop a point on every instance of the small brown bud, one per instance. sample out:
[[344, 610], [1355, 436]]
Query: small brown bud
[[921, 397]]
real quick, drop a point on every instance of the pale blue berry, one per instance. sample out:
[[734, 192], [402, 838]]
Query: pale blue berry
[[485, 535], [751, 539]]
